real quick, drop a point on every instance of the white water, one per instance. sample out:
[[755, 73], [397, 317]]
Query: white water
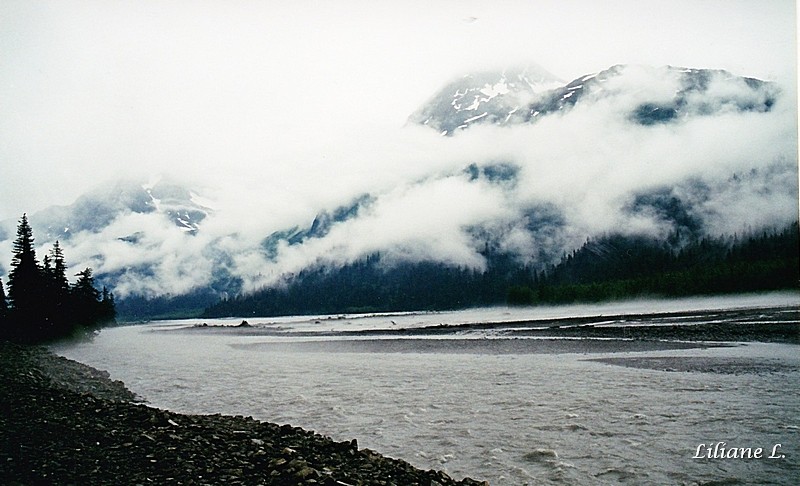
[[508, 419]]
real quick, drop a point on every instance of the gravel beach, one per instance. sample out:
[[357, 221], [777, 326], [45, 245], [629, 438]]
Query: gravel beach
[[66, 423]]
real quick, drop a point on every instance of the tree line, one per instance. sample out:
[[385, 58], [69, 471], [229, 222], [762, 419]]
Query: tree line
[[361, 287], [41, 304], [610, 267], [616, 267]]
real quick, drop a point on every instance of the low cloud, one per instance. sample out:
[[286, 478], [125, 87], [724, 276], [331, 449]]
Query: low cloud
[[568, 176]]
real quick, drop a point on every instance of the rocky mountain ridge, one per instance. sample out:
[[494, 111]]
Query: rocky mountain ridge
[[660, 95]]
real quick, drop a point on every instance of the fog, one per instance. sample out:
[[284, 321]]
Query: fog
[[273, 114], [584, 167]]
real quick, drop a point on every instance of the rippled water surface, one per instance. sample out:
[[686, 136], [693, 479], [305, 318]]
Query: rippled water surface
[[537, 418]]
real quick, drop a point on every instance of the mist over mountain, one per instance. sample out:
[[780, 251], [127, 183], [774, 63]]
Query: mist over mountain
[[530, 167], [646, 95], [489, 97], [97, 209]]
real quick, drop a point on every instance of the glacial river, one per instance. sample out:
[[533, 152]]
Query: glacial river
[[549, 413]]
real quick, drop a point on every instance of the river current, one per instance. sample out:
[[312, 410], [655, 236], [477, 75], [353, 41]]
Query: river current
[[559, 417]]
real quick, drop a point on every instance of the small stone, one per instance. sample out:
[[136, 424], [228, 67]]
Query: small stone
[[306, 472], [277, 462]]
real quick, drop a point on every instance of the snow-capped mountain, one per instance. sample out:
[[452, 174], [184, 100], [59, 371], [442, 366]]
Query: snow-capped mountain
[[486, 97], [645, 95], [97, 209], [600, 165]]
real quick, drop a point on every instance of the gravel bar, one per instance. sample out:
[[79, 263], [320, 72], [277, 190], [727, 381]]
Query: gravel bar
[[66, 423]]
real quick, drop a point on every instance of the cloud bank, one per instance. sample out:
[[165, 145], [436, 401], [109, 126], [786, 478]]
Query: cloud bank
[[531, 190], [92, 91]]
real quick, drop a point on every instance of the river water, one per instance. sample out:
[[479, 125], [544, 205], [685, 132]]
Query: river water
[[525, 416]]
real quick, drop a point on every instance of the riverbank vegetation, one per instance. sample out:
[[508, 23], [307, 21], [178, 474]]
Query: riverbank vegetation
[[41, 304]]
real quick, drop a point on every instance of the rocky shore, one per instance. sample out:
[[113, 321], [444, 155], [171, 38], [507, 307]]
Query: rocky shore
[[62, 422]]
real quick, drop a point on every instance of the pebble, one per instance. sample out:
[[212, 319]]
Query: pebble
[[65, 423]]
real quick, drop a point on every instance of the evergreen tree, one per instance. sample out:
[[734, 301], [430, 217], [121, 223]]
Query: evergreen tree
[[85, 300], [25, 282], [56, 291], [59, 269], [3, 304], [42, 305], [47, 266], [84, 286], [48, 312], [108, 311]]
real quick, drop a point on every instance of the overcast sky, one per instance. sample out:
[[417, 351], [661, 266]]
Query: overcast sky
[[281, 91]]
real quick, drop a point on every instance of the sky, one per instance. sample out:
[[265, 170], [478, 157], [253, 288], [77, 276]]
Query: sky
[[94, 90], [275, 111]]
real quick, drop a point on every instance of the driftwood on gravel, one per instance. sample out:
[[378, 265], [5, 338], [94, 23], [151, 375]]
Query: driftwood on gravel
[[65, 423]]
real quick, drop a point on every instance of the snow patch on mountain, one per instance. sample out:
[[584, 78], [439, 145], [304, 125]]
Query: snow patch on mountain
[[497, 95], [642, 94]]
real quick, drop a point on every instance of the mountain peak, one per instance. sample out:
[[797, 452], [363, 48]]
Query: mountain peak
[[98, 208], [647, 95], [493, 96]]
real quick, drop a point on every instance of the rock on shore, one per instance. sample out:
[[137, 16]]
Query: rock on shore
[[62, 422]]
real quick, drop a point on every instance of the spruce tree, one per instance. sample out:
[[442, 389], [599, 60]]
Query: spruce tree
[[108, 311], [25, 283], [41, 304], [86, 300], [59, 269], [3, 306], [56, 291], [48, 302]]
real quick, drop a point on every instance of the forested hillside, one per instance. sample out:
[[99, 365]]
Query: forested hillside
[[616, 267], [611, 267]]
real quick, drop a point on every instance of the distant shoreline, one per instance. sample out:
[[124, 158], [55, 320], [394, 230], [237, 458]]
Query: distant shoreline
[[662, 330]]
